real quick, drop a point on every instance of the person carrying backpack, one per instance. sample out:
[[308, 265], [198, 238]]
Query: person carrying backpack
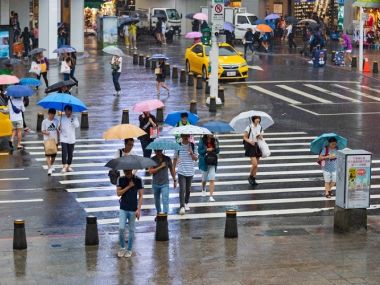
[[16, 107], [327, 160]]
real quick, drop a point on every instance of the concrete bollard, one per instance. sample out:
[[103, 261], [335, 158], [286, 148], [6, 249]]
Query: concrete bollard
[[162, 231], [333, 53], [40, 118], [375, 68], [199, 82], [153, 64], [147, 62], [84, 120], [19, 236], [190, 79], [221, 94], [125, 117], [167, 69], [182, 77], [212, 106], [141, 59], [135, 59], [354, 62], [175, 72], [160, 115], [231, 230], [92, 237], [193, 107], [207, 87]]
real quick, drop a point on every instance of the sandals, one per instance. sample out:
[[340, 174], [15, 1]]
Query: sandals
[[328, 196], [331, 193]]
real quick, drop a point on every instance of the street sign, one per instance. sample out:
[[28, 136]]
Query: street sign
[[217, 15]]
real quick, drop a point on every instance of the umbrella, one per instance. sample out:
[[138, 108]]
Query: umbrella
[[193, 35], [19, 91], [36, 51], [218, 127], [291, 19], [164, 144], [158, 56], [241, 121], [174, 117], [123, 131], [148, 105], [229, 26], [272, 17], [320, 142], [64, 49], [58, 101], [113, 50], [307, 21], [8, 79], [189, 130], [200, 17], [259, 21], [30, 81], [264, 28], [130, 162], [59, 85], [190, 16]]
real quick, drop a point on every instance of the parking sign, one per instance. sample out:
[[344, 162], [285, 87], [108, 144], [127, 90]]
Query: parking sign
[[217, 16]]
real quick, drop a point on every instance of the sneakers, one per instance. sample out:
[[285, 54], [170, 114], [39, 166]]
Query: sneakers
[[69, 169], [187, 208], [212, 199], [64, 170], [203, 192], [182, 211], [50, 171], [121, 252], [128, 254]]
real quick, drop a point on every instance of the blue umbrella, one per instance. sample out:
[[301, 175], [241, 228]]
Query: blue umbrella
[[164, 144], [30, 81], [272, 17], [259, 21], [218, 127], [64, 49], [317, 145], [158, 56], [58, 101], [229, 27], [174, 117], [19, 91]]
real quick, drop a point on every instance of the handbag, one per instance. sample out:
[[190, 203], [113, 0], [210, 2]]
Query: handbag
[[65, 68], [50, 147], [157, 71], [43, 67], [211, 158], [263, 146], [35, 68], [154, 132], [14, 108]]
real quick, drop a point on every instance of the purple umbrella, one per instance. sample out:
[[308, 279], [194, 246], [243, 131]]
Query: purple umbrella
[[229, 27], [272, 17]]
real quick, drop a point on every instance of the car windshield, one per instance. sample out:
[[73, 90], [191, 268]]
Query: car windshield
[[223, 51], [173, 14], [252, 19]]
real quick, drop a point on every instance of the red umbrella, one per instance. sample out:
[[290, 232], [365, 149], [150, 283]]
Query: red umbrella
[[8, 79]]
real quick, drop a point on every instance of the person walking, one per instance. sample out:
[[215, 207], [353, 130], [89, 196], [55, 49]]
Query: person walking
[[26, 38], [163, 31], [126, 36], [208, 149], [327, 160], [66, 129], [127, 150], [290, 35], [282, 27], [248, 41], [68, 60], [49, 129], [183, 161], [183, 122], [73, 63], [158, 31], [16, 107], [195, 25], [160, 77], [128, 188], [160, 184], [252, 133], [35, 36], [132, 30], [43, 62], [116, 66], [148, 123]]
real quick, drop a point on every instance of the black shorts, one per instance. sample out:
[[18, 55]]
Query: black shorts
[[252, 150], [51, 155]]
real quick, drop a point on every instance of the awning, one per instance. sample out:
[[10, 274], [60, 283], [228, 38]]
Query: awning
[[367, 3]]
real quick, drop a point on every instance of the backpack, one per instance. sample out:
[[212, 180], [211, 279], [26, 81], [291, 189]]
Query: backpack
[[114, 174]]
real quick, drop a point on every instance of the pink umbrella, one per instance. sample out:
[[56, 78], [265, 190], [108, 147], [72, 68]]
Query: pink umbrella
[[148, 105], [8, 79], [193, 35], [200, 17]]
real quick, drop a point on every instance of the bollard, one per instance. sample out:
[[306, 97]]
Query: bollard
[[231, 230], [175, 72], [199, 82], [162, 231], [167, 69], [212, 106], [84, 120], [354, 62], [207, 87], [135, 59], [190, 79], [40, 118], [333, 53], [153, 64], [141, 59], [160, 115], [221, 94], [125, 117], [193, 107], [182, 77], [147, 62], [92, 237], [375, 68], [19, 236]]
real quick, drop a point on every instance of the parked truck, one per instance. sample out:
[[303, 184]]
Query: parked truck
[[149, 17]]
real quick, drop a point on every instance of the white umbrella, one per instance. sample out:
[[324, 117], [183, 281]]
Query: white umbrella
[[113, 50], [241, 121], [307, 21], [189, 130]]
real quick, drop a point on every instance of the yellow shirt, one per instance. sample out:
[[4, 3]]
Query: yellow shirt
[[132, 30]]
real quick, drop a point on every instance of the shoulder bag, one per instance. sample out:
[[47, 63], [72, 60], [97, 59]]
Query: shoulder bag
[[50, 147]]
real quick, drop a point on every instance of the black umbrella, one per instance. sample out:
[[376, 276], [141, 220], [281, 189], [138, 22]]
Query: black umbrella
[[59, 85], [130, 162], [36, 51], [190, 16], [291, 19]]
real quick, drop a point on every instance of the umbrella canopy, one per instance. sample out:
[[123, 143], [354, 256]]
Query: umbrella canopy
[[320, 142], [189, 130], [200, 17], [229, 26], [163, 144], [130, 162], [113, 50], [190, 16], [36, 51], [218, 127], [264, 28], [259, 21], [193, 35], [158, 56], [291, 19], [307, 21], [8, 79], [64, 49], [123, 131], [30, 81], [241, 121], [59, 85], [272, 16], [58, 101], [174, 117], [148, 105], [19, 91]]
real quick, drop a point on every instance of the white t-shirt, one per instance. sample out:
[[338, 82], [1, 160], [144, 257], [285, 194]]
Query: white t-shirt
[[255, 131], [51, 127], [163, 28], [117, 153], [67, 127], [125, 31], [120, 62], [289, 29], [19, 104]]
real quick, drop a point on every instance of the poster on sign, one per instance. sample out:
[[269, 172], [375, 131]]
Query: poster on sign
[[217, 16]]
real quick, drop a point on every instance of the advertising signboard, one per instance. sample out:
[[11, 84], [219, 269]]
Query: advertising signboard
[[4, 41]]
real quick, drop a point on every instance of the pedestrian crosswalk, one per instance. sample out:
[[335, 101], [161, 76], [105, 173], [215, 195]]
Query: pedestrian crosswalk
[[290, 181]]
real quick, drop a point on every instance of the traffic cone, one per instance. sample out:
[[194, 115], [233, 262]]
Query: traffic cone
[[366, 67]]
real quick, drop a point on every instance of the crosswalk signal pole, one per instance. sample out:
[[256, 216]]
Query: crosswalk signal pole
[[361, 38]]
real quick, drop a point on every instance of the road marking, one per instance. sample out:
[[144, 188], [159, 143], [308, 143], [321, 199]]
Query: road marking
[[307, 95], [275, 95], [305, 110], [293, 81], [356, 92], [14, 179], [371, 89], [26, 189], [328, 92], [12, 169], [20, 201], [255, 67]]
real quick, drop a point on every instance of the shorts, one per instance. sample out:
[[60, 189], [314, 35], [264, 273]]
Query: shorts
[[51, 155], [210, 174], [329, 176], [252, 150], [17, 124]]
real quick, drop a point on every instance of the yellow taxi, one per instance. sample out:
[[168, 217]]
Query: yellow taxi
[[5, 122], [232, 64]]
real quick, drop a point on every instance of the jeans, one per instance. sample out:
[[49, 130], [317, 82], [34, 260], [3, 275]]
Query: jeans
[[164, 191], [184, 189], [71, 75], [61, 41], [146, 152], [123, 217], [291, 41], [66, 76], [246, 46], [67, 153], [44, 75], [115, 79]]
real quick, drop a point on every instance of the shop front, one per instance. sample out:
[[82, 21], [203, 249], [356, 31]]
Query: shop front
[[324, 10]]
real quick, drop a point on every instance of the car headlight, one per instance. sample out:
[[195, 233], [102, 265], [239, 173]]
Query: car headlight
[[243, 64]]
